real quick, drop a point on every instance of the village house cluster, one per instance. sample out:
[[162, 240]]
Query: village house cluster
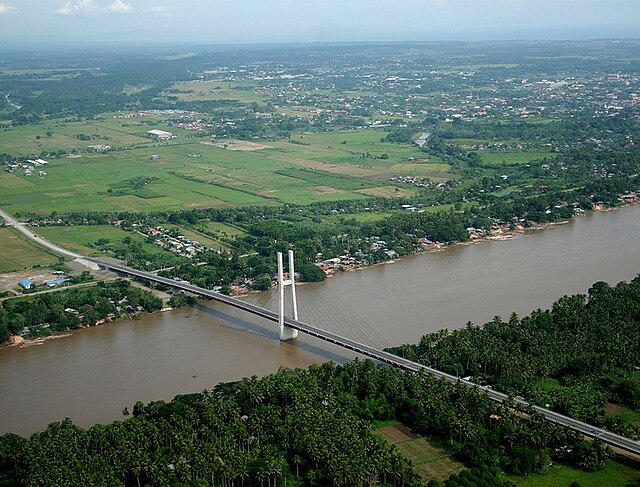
[[414, 181], [177, 244], [343, 262], [28, 167]]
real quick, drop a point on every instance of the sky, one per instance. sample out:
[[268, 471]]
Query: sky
[[267, 21]]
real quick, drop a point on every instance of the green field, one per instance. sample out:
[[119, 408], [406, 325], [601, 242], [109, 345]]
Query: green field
[[19, 253], [507, 157], [617, 474], [420, 168], [224, 229], [389, 192], [429, 461], [243, 91], [33, 139], [370, 216], [339, 165], [78, 238], [324, 178]]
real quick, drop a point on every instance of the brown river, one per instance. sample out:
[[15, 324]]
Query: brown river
[[91, 375]]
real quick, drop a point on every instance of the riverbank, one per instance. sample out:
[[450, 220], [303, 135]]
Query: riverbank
[[19, 342], [157, 356], [502, 233]]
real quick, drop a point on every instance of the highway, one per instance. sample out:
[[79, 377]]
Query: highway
[[27, 232], [366, 350]]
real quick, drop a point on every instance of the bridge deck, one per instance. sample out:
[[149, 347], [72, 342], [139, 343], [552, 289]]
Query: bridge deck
[[380, 355]]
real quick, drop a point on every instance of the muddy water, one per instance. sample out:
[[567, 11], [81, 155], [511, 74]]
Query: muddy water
[[92, 374]]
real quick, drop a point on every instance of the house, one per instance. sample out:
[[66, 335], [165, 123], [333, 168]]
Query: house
[[26, 283], [160, 135], [101, 148], [56, 282]]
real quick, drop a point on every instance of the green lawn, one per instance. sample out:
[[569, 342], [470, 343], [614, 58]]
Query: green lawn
[[19, 253]]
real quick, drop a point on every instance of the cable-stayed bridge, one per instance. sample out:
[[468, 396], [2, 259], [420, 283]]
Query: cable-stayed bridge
[[289, 328]]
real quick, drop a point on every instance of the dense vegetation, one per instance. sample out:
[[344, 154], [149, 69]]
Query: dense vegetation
[[588, 345], [73, 308], [312, 425]]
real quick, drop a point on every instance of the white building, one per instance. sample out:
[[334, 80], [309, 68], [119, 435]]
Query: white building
[[160, 135]]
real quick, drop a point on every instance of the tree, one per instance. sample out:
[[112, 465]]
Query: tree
[[312, 273]]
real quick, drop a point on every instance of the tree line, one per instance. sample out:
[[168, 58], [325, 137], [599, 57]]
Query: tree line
[[73, 308], [575, 357], [313, 427]]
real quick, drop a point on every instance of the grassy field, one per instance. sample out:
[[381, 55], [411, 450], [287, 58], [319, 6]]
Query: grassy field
[[389, 192], [617, 474], [189, 172], [243, 91], [369, 216], [420, 168], [78, 238], [491, 157], [224, 229], [19, 253], [53, 136], [430, 461]]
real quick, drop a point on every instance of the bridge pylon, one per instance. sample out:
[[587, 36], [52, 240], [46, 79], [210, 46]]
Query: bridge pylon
[[286, 332]]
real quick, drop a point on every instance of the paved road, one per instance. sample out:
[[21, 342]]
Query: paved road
[[27, 232], [380, 355], [584, 428]]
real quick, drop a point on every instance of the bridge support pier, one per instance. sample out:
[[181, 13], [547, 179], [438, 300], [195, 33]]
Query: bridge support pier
[[286, 332]]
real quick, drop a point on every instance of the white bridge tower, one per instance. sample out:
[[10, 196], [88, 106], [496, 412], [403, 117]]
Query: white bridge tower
[[286, 332]]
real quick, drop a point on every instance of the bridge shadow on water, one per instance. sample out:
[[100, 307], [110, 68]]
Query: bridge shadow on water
[[272, 334]]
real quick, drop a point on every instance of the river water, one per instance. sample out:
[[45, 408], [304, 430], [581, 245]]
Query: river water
[[91, 375]]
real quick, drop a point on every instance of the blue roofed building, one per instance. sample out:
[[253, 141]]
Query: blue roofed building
[[26, 283]]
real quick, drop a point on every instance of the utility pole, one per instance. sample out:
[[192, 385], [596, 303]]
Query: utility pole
[[286, 332]]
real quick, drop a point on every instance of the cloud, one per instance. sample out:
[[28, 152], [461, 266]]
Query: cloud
[[78, 7], [6, 8], [160, 10], [89, 6], [120, 6]]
